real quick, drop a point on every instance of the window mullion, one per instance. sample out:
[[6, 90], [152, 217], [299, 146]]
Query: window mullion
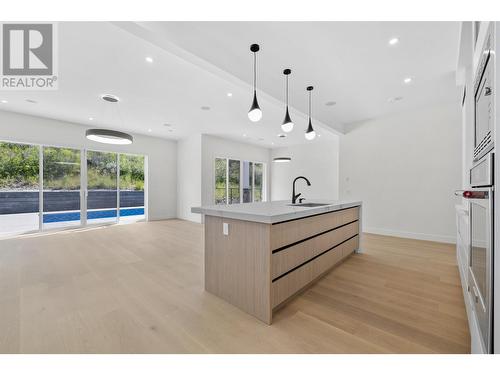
[[118, 187], [40, 188], [227, 181]]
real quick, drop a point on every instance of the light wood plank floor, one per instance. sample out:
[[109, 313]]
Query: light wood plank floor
[[139, 289]]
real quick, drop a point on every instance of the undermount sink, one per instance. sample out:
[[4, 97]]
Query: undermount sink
[[309, 204]]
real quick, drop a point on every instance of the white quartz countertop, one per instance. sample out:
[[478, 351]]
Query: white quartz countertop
[[272, 212]]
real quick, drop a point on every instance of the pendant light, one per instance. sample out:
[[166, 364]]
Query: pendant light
[[287, 125], [109, 136], [254, 114], [284, 159], [310, 133]]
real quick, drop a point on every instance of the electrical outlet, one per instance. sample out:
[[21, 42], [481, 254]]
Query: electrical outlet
[[225, 229]]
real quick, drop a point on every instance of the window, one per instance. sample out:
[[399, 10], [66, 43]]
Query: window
[[233, 195], [258, 184], [43, 188], [238, 181], [102, 187], [19, 188], [220, 181], [61, 187], [247, 181], [131, 187]]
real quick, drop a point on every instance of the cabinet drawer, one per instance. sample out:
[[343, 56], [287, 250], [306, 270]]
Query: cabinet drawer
[[288, 232], [291, 283], [293, 256], [354, 245]]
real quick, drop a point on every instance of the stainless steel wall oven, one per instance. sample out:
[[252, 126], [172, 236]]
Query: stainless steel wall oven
[[480, 270]]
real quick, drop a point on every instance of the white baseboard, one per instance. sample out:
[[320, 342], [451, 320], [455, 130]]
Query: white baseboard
[[412, 235]]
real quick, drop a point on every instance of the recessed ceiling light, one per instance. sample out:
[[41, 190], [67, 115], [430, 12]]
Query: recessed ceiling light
[[244, 135], [150, 130], [31, 101], [91, 118], [272, 143], [205, 108], [407, 80], [229, 94], [110, 98], [395, 99], [330, 103], [393, 41], [319, 135], [149, 59], [3, 101]]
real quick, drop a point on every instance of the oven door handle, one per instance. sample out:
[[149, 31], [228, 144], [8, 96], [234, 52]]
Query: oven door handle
[[471, 194]]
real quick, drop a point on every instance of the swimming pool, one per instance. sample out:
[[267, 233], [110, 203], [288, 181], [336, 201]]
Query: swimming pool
[[99, 214]]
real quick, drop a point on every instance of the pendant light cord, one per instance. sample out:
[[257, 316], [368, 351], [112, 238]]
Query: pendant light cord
[[254, 71], [310, 105], [287, 91]]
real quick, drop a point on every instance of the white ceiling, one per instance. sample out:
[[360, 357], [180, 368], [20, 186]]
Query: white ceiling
[[197, 63], [350, 63]]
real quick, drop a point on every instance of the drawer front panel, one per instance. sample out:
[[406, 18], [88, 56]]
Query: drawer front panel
[[289, 232], [288, 285], [348, 250], [286, 259]]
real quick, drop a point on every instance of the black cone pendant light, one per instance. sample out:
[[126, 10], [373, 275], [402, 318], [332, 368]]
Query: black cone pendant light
[[254, 114], [287, 125], [310, 133]]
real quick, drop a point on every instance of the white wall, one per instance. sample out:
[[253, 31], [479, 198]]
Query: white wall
[[318, 161], [189, 177], [213, 147], [405, 169], [161, 154]]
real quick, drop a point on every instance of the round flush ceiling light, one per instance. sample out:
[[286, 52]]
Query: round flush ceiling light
[[149, 59], [395, 99], [393, 41], [408, 80], [282, 160], [110, 98], [109, 136]]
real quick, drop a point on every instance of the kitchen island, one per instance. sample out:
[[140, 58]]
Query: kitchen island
[[259, 255]]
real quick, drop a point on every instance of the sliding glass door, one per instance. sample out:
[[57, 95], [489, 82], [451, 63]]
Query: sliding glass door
[[238, 181], [19, 188], [45, 188], [61, 187], [102, 187]]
